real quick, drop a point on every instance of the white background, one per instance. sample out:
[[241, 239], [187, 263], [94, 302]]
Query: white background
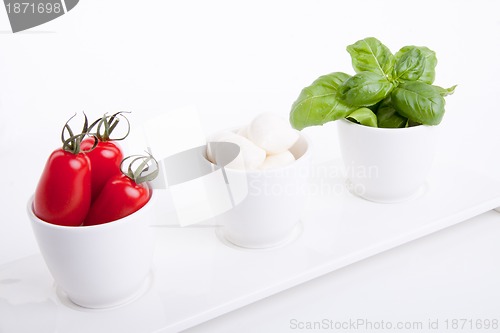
[[234, 60]]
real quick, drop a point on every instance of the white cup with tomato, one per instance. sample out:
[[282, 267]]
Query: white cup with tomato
[[97, 244]]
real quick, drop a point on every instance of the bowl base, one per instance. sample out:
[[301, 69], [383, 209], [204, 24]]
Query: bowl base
[[417, 194], [141, 291], [291, 237]]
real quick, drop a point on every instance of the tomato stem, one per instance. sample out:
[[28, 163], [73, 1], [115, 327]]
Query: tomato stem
[[141, 173], [107, 124], [72, 144]]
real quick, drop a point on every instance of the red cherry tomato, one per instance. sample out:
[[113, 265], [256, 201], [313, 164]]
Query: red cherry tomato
[[124, 194], [63, 193], [106, 156], [120, 197], [105, 159]]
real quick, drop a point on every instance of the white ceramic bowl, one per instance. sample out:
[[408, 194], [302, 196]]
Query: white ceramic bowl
[[386, 164], [98, 266], [269, 214]]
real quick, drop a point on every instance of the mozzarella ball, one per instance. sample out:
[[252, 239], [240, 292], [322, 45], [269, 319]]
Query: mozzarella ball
[[217, 137], [278, 160], [243, 132], [250, 156], [272, 133]]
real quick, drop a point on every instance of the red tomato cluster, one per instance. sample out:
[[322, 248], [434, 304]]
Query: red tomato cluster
[[82, 182]]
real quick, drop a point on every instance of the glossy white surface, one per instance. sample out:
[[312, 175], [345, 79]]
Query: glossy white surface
[[235, 60], [197, 277], [450, 275]]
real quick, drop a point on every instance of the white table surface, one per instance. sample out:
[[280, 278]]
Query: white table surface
[[233, 61], [452, 274]]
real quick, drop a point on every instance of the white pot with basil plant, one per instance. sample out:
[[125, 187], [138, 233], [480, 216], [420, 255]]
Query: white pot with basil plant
[[388, 114]]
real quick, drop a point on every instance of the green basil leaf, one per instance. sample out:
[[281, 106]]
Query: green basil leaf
[[375, 106], [364, 116], [412, 123], [370, 55], [428, 65], [446, 91], [419, 102], [318, 104], [409, 65], [388, 116], [364, 89]]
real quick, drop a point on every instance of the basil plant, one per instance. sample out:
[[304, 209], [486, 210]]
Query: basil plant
[[389, 91]]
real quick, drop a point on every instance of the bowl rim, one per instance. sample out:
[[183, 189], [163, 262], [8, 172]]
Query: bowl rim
[[420, 127], [302, 158], [112, 224]]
